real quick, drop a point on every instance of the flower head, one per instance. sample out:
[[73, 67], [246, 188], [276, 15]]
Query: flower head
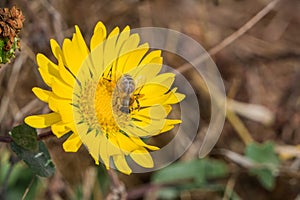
[[109, 96]]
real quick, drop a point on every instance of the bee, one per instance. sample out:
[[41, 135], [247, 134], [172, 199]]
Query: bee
[[124, 96]]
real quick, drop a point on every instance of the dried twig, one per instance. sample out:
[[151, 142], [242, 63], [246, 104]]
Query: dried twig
[[249, 164], [28, 50], [230, 187], [28, 187], [239, 126], [8, 101], [42, 136], [231, 116], [118, 191], [5, 139], [254, 112], [89, 183], [231, 38], [46, 135], [31, 107], [56, 19]]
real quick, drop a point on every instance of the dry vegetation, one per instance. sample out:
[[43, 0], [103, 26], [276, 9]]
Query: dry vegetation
[[260, 67]]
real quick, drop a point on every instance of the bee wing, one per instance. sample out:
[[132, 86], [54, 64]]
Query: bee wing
[[140, 81]]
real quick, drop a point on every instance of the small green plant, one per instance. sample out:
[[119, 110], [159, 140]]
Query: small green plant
[[267, 163]]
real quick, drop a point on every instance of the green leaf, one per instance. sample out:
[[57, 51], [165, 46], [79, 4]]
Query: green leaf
[[266, 158], [38, 161], [168, 193], [25, 136], [197, 171]]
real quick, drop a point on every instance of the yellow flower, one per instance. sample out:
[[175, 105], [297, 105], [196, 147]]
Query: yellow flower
[[109, 96]]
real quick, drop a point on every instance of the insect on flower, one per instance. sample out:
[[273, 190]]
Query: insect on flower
[[124, 97]]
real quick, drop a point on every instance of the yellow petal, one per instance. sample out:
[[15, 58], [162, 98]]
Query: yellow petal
[[97, 60], [47, 78], [136, 131], [43, 95], [123, 36], [165, 80], [170, 123], [107, 149], [47, 69], [42, 121], [97, 49], [124, 143], [61, 89], [56, 50], [63, 107], [130, 44], [90, 140], [98, 36], [156, 112], [154, 93], [60, 129], [68, 77], [152, 90], [75, 52], [103, 151], [121, 164], [140, 142], [152, 128], [45, 63], [174, 97], [142, 157], [145, 73], [72, 144], [134, 58], [163, 99], [80, 43], [110, 54], [149, 58]]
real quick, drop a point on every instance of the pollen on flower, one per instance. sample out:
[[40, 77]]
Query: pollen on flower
[[107, 121], [94, 106]]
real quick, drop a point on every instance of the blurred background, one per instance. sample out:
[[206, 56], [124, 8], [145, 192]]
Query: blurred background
[[260, 70]]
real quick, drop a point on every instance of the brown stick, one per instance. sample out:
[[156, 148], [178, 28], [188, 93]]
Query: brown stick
[[43, 136], [5, 139], [234, 36], [118, 189]]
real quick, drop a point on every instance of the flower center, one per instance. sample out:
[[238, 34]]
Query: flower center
[[105, 102], [103, 106]]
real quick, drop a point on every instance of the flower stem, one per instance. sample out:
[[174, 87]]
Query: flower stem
[[12, 161], [118, 189], [5, 139], [42, 136]]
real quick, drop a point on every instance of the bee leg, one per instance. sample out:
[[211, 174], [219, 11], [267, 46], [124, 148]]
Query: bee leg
[[138, 104]]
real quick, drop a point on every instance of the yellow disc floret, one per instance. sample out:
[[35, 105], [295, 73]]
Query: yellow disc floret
[[103, 106]]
